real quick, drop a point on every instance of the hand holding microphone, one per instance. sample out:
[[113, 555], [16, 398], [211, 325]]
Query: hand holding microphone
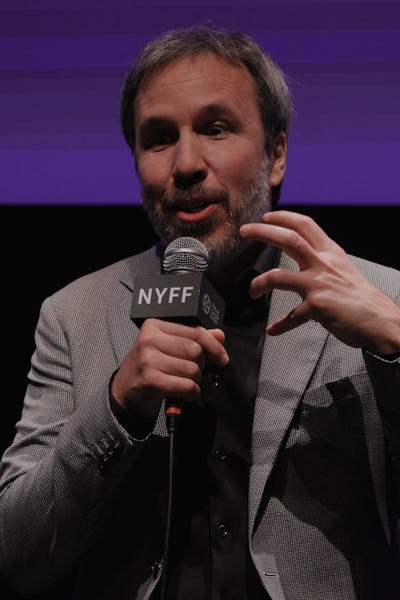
[[180, 317]]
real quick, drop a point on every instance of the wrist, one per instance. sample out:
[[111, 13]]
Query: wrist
[[136, 425]]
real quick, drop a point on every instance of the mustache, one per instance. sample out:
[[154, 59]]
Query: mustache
[[169, 201]]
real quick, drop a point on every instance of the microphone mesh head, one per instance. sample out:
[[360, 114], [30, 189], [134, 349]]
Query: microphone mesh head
[[185, 255]]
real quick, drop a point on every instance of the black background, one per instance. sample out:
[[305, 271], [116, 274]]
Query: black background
[[43, 248]]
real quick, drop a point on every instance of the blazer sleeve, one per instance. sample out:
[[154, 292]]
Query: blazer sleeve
[[59, 476]]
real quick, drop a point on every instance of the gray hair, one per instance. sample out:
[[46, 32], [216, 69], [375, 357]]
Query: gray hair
[[272, 91]]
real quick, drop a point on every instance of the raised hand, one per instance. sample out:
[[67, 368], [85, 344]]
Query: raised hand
[[332, 289]]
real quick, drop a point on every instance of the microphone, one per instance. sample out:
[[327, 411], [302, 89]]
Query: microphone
[[185, 255], [181, 294]]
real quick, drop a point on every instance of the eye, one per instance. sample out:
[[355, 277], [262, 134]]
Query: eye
[[157, 138], [158, 141], [216, 129]]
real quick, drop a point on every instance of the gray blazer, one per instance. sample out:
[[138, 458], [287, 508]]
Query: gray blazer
[[83, 503]]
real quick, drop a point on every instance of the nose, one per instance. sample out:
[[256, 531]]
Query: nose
[[189, 165]]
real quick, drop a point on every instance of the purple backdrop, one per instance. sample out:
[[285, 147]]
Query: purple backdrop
[[62, 66]]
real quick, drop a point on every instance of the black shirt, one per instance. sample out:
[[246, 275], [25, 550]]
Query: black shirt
[[209, 557]]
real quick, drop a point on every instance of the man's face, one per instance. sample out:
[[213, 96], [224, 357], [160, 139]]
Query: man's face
[[200, 152]]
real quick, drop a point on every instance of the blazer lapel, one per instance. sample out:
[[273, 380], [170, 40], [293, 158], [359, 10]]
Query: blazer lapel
[[287, 365], [122, 330]]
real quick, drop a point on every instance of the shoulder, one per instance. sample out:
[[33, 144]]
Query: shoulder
[[99, 284], [383, 277]]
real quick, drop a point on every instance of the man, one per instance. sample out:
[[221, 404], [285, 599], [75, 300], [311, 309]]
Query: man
[[284, 489]]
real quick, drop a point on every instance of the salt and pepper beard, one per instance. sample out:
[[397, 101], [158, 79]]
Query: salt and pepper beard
[[251, 202]]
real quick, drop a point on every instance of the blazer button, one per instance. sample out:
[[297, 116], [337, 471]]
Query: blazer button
[[111, 454]]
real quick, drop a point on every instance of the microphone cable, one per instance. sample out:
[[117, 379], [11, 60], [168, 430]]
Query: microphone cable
[[172, 414], [183, 255]]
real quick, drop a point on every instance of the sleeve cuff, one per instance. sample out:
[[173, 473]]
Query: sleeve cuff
[[137, 426], [387, 358]]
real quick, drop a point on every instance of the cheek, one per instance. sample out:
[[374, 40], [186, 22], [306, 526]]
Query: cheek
[[243, 168], [151, 171]]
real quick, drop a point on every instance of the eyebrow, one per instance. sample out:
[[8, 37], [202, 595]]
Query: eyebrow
[[217, 109], [150, 122], [209, 110]]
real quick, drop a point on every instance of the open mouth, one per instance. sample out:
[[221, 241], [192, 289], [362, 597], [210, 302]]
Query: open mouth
[[195, 211]]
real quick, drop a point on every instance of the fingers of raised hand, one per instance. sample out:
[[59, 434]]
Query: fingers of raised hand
[[278, 279], [298, 235], [296, 317], [303, 225]]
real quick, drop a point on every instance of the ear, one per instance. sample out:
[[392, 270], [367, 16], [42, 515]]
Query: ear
[[278, 159]]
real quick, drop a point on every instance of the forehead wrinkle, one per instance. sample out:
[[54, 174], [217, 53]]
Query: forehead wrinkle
[[213, 109], [191, 71]]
